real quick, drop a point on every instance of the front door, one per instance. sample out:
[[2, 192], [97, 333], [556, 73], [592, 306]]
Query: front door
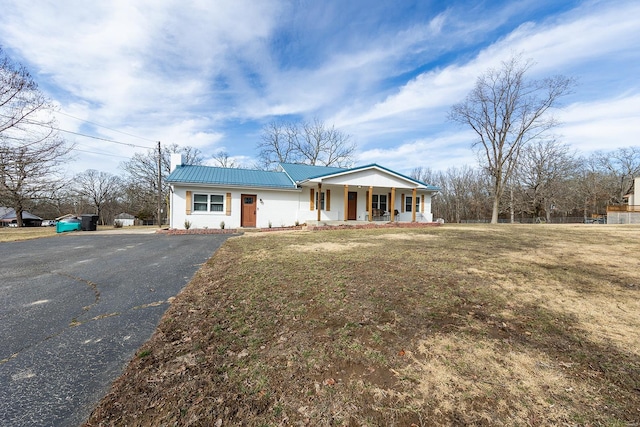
[[352, 212], [248, 214]]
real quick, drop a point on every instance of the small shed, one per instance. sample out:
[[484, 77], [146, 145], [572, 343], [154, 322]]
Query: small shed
[[125, 219]]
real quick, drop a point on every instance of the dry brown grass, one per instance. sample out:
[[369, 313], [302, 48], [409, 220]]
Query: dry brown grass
[[476, 325], [10, 234]]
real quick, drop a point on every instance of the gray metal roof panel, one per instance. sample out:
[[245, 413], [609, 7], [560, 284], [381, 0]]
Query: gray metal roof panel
[[229, 176], [299, 172]]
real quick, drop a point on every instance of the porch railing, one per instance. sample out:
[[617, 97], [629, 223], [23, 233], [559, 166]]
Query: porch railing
[[623, 208]]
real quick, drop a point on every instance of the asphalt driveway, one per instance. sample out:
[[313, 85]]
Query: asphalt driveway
[[73, 310]]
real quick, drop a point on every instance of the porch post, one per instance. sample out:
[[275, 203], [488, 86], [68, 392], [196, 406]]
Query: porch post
[[319, 199], [370, 204], [413, 208], [346, 202], [392, 209]]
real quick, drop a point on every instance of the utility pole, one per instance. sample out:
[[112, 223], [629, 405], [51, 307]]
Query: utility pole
[[159, 186]]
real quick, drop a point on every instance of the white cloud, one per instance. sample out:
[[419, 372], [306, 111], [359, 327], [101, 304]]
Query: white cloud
[[605, 124], [553, 45], [135, 57], [181, 72], [438, 153]]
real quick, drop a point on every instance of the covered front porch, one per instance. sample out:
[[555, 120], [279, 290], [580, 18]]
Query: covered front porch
[[370, 194]]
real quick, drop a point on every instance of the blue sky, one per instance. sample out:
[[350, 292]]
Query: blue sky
[[211, 74]]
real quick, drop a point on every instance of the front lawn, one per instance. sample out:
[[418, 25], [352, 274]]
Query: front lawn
[[454, 325]]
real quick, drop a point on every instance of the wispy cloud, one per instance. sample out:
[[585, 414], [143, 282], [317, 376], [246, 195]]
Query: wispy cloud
[[424, 101], [210, 74]]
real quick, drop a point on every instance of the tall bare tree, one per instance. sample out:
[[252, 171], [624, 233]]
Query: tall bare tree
[[31, 150], [507, 111], [277, 145], [142, 172], [100, 188], [312, 143]]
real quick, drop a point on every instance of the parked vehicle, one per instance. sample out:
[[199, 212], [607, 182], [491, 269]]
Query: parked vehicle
[[49, 223]]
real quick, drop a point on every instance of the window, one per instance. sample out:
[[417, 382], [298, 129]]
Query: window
[[321, 201], [216, 202], [408, 204], [380, 202], [208, 203], [200, 202]]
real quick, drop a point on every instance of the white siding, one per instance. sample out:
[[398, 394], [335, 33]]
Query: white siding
[[280, 208], [286, 208], [368, 177]]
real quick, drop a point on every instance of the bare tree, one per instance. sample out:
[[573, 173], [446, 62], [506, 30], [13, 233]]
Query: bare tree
[[142, 171], [622, 165], [593, 187], [278, 145], [423, 174], [462, 195], [100, 188], [320, 144], [312, 143], [31, 150], [507, 111], [223, 160], [544, 169]]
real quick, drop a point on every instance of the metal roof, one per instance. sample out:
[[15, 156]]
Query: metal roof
[[285, 179], [230, 176], [299, 172]]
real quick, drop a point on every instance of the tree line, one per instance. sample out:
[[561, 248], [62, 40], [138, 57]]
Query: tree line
[[551, 183]]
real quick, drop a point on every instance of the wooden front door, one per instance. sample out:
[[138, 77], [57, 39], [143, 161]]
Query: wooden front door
[[352, 212], [248, 213]]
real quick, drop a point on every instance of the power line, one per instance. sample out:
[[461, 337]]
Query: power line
[[99, 153], [99, 138], [32, 122], [105, 127]]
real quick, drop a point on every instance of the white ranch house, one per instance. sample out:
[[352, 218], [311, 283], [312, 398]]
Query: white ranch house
[[206, 196]]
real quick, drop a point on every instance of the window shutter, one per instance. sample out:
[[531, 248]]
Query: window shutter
[[367, 196], [402, 206], [422, 203], [327, 202], [228, 204], [311, 200], [188, 203]]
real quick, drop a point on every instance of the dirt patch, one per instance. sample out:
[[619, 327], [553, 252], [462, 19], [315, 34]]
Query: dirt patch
[[407, 236], [330, 246]]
